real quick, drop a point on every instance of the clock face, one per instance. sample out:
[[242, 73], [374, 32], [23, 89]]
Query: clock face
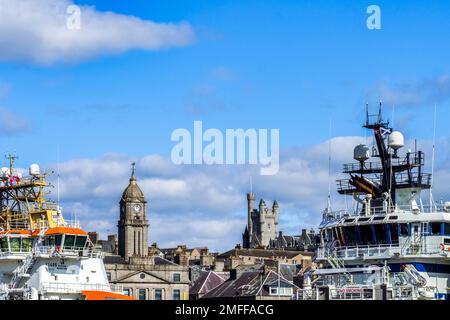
[[136, 208]]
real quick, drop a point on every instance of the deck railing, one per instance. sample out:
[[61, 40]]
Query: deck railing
[[379, 251], [339, 214], [62, 287]]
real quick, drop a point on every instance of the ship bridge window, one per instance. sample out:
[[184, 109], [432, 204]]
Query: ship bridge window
[[350, 234], [378, 218], [447, 229], [393, 228], [15, 244], [349, 220], [393, 217], [53, 240], [4, 244], [404, 229], [365, 235], [435, 228], [363, 219], [27, 244], [69, 241], [80, 242], [380, 233]]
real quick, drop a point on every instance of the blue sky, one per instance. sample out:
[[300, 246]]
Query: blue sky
[[291, 65]]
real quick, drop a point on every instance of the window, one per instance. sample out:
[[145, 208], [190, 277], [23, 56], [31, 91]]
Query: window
[[176, 277], [58, 240], [69, 241], [108, 275], [158, 294], [80, 242], [176, 294], [284, 291], [380, 233], [435, 228], [447, 229], [127, 291], [4, 244], [142, 294], [394, 232], [27, 244], [350, 234], [404, 229], [15, 244]]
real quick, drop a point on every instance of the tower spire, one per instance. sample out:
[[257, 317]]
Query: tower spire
[[133, 170]]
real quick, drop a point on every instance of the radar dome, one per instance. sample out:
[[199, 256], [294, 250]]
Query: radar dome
[[34, 170], [396, 140], [361, 152], [4, 171]]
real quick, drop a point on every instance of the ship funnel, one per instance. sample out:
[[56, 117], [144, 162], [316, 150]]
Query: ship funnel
[[361, 153], [35, 170], [396, 140]]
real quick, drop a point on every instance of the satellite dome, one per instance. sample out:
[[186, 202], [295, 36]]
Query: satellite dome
[[396, 140], [35, 170], [4, 171], [361, 152]]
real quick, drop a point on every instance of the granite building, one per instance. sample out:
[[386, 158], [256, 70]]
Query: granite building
[[143, 276], [262, 223]]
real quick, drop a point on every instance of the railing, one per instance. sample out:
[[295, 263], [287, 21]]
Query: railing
[[352, 293], [71, 223], [389, 209], [68, 251], [401, 179], [379, 251], [413, 159], [62, 287]]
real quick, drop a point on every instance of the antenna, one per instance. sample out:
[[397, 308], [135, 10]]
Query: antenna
[[329, 168], [57, 174], [133, 168], [367, 113], [379, 112], [432, 158], [12, 159]]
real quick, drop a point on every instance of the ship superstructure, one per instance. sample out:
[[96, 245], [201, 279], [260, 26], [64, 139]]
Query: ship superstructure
[[42, 255], [391, 241]]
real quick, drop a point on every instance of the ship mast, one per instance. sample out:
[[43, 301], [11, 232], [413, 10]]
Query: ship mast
[[381, 181]]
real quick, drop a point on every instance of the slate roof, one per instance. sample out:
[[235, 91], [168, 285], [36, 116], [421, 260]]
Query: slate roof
[[264, 253], [114, 259], [207, 281], [248, 284]]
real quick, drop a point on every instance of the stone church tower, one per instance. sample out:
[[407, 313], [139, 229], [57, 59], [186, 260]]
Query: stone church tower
[[133, 223], [261, 225]]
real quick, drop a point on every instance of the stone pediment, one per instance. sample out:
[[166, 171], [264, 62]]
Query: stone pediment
[[142, 276]]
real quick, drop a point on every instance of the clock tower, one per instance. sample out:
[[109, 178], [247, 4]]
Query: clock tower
[[133, 223]]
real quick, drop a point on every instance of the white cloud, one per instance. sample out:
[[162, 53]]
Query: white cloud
[[36, 31], [413, 93], [11, 122]]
